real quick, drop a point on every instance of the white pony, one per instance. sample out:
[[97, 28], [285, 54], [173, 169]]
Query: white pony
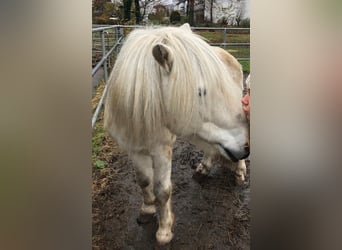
[[168, 82]]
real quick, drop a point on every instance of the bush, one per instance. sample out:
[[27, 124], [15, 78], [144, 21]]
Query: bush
[[101, 20], [175, 17], [165, 21], [245, 23], [184, 19], [155, 19], [223, 21]]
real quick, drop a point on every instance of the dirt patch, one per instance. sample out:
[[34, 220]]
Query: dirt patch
[[211, 212]]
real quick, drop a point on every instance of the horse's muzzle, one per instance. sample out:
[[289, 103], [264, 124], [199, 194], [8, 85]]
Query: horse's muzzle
[[236, 156], [246, 152]]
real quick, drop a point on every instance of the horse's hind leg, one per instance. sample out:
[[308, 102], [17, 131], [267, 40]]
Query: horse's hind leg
[[162, 159], [144, 176]]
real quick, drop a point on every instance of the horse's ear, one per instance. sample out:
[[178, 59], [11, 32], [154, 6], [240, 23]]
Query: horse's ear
[[163, 56], [186, 27]]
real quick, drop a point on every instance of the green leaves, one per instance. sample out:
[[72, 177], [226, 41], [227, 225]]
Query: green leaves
[[100, 164]]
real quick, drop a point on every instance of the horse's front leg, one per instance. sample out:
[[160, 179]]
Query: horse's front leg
[[144, 176], [240, 171], [205, 165], [162, 159]]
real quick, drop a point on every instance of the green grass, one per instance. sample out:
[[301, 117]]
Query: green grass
[[232, 36], [217, 36], [245, 66], [237, 38], [238, 51], [98, 136], [97, 146]]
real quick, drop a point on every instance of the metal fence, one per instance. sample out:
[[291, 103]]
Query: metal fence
[[107, 40], [104, 61]]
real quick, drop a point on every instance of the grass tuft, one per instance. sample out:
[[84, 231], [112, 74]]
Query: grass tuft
[[103, 147]]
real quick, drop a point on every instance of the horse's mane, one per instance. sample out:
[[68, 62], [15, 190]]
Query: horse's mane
[[135, 107]]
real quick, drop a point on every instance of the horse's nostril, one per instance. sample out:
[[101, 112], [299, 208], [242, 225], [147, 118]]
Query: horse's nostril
[[247, 149], [246, 146]]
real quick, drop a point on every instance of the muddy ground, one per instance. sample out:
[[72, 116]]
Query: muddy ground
[[211, 212]]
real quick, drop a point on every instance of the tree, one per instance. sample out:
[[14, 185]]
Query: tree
[[160, 12], [102, 11], [230, 15], [143, 4], [137, 11], [241, 13], [211, 10], [127, 9], [238, 16], [175, 17], [98, 7], [191, 12]]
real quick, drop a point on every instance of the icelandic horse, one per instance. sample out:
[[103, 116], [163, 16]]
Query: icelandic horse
[[169, 82]]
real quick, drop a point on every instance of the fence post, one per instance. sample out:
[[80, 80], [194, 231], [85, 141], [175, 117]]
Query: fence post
[[103, 56], [116, 31], [224, 38], [121, 32], [117, 36], [107, 38]]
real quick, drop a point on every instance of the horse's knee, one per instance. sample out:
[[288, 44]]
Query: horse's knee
[[162, 192], [143, 181]]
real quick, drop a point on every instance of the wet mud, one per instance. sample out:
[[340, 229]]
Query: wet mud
[[211, 212]]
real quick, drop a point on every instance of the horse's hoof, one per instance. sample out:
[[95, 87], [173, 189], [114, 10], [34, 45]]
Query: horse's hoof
[[240, 179], [164, 237], [201, 169], [145, 218]]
